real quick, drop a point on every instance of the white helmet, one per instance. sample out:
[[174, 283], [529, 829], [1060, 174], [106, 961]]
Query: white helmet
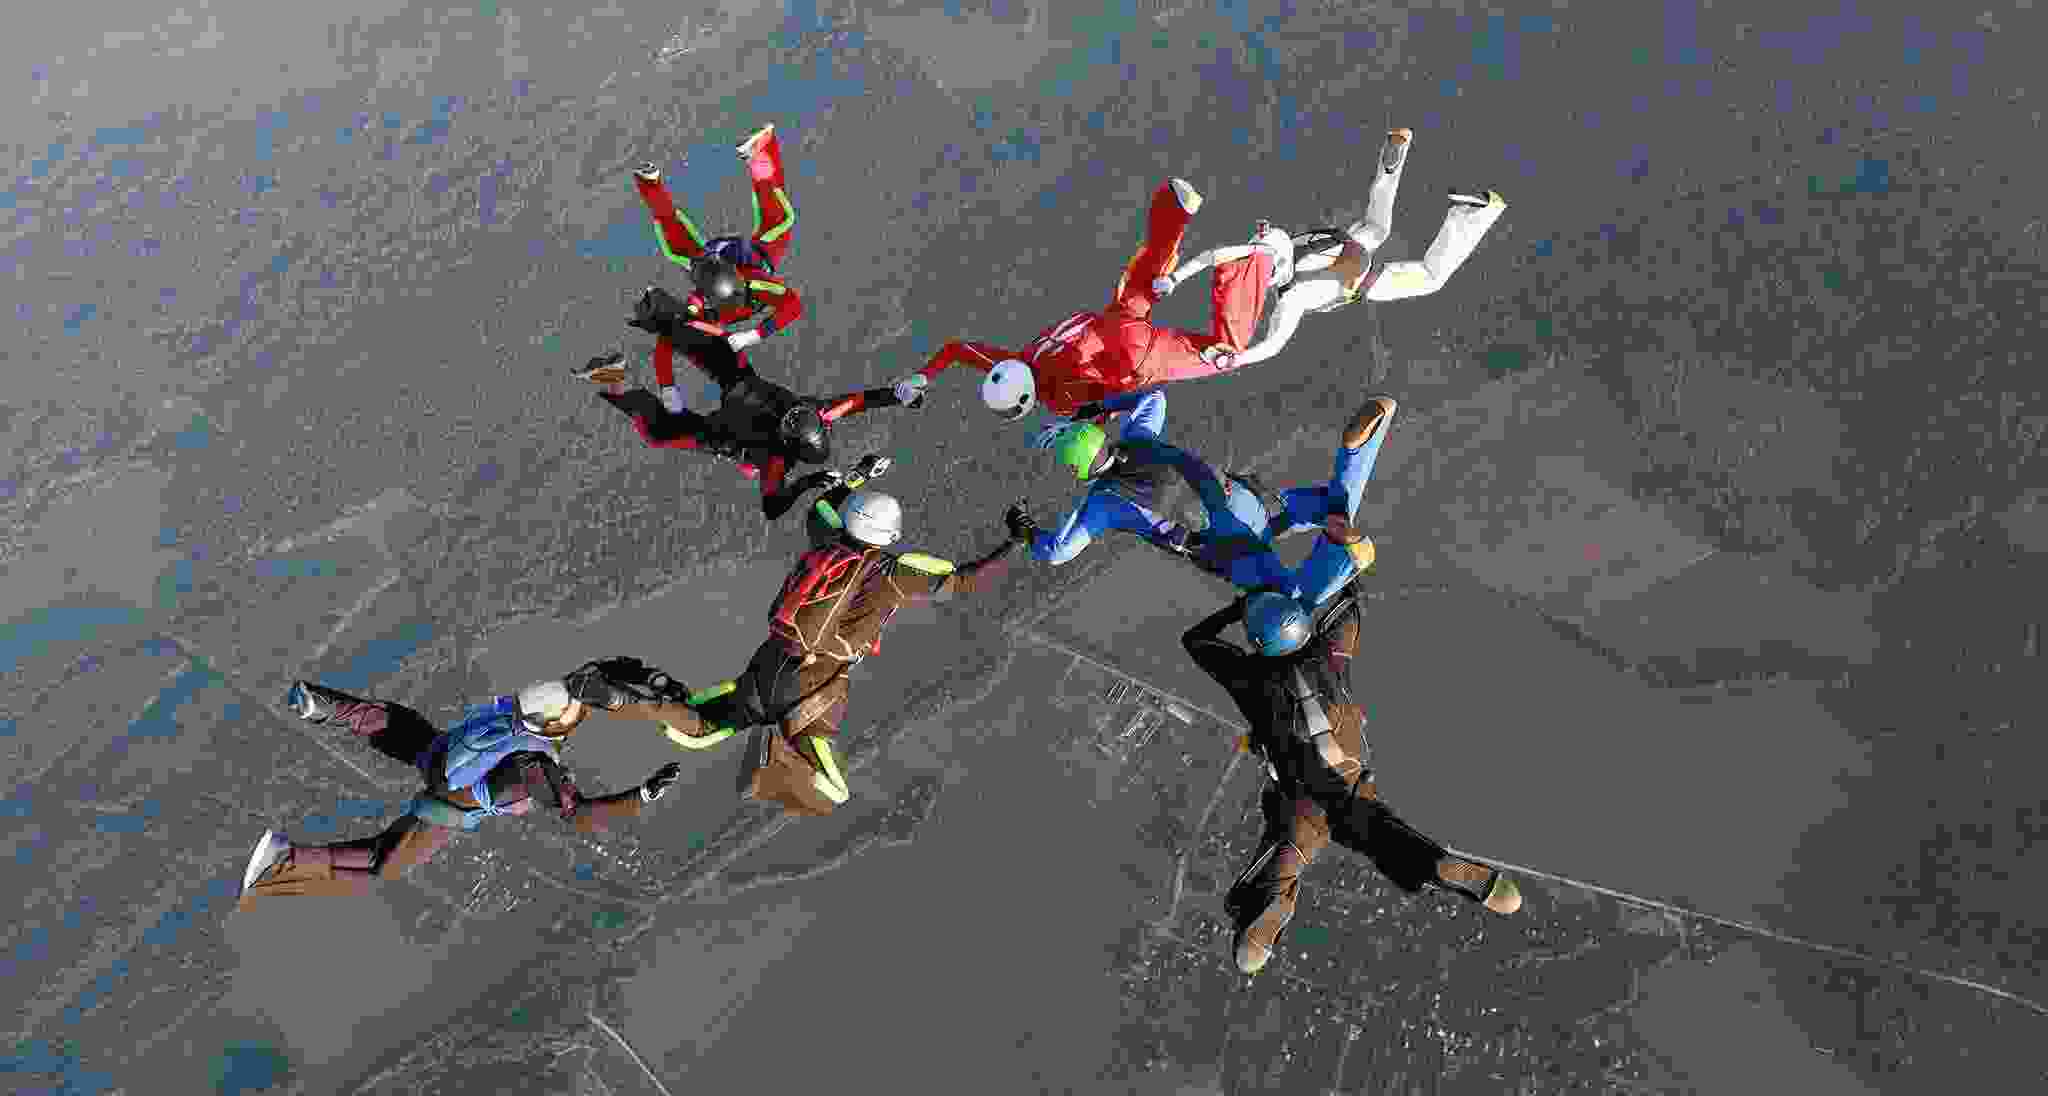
[[873, 518], [543, 702], [1010, 390]]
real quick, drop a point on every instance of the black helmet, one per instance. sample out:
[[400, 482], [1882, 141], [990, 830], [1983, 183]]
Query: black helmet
[[718, 281], [803, 431]]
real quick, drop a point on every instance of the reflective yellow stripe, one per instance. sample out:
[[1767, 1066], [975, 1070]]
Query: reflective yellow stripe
[[1362, 552], [661, 238], [931, 565], [827, 514], [767, 287], [696, 741], [788, 217], [823, 750]]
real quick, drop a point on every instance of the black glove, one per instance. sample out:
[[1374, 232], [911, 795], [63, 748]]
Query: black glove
[[1093, 409], [658, 783], [1018, 521], [611, 683], [723, 447]]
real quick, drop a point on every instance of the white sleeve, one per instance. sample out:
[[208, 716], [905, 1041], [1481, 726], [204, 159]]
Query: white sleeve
[[1287, 312]]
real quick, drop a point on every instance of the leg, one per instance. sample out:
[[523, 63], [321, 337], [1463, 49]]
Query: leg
[[352, 867], [1464, 226], [1371, 232], [1263, 900], [394, 730], [679, 238], [716, 360], [1413, 861], [774, 216], [658, 427], [1358, 450], [1166, 222]]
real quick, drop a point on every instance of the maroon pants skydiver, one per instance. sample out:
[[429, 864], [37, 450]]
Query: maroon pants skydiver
[[353, 867]]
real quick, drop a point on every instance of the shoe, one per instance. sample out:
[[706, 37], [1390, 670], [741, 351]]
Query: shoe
[[313, 703], [1500, 894], [603, 369], [872, 466], [1262, 902], [269, 852], [1184, 192], [752, 144], [1478, 198], [825, 775], [1395, 152], [647, 172], [1371, 419]]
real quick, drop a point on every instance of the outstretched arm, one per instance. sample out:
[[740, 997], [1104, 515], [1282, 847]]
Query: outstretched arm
[[1090, 518], [784, 306], [853, 403], [980, 355], [1280, 327], [774, 504], [1218, 657]]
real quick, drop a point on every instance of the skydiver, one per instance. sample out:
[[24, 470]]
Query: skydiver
[[732, 278], [764, 426], [500, 758], [828, 616], [1089, 357], [1293, 687], [1332, 269]]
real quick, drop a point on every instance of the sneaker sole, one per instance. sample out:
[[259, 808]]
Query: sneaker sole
[[256, 866]]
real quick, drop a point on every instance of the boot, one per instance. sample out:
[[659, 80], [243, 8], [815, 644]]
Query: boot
[[1263, 899], [271, 850], [1372, 418], [603, 369], [1185, 193], [1395, 152], [648, 172], [1490, 887], [315, 703]]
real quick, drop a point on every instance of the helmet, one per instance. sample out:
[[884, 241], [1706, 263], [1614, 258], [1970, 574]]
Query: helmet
[[1010, 390], [543, 702], [873, 518], [1275, 623], [1080, 447], [718, 281], [803, 431]]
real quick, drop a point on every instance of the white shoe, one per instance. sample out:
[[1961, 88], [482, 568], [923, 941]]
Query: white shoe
[[272, 849], [1189, 198], [1395, 152], [648, 171], [672, 399], [748, 147], [1478, 198], [306, 700]]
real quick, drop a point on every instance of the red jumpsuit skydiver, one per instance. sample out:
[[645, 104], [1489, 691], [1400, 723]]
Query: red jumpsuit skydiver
[[1089, 357]]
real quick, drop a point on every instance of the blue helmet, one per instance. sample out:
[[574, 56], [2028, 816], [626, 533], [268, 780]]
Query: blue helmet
[[1276, 624]]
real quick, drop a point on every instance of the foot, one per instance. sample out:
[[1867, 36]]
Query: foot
[[825, 774], [872, 466], [1262, 903], [1480, 199], [648, 172], [1184, 192], [753, 143], [1395, 152], [1489, 886], [1370, 420], [269, 853], [313, 703], [603, 369]]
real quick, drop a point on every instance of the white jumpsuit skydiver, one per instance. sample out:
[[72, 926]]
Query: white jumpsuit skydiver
[[1342, 271]]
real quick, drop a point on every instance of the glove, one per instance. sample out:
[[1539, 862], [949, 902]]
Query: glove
[[1018, 521], [1163, 285], [1048, 434], [611, 683], [828, 478], [672, 398], [658, 783], [740, 340], [872, 466], [723, 447], [910, 390], [1220, 359]]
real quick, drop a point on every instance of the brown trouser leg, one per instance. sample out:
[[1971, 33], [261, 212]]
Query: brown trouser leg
[[396, 731], [353, 867]]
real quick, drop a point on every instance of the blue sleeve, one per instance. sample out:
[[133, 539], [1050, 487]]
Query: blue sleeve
[[1095, 515], [1148, 420]]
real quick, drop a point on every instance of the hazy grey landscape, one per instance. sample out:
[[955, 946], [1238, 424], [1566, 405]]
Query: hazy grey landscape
[[1711, 537]]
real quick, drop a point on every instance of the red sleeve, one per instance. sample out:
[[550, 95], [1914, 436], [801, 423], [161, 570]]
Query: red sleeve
[[782, 300], [773, 470], [980, 355]]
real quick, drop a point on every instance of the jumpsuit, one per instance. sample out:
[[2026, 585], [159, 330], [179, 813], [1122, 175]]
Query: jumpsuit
[[517, 785], [758, 257], [1320, 788], [748, 418], [795, 702], [1130, 497], [1089, 357]]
